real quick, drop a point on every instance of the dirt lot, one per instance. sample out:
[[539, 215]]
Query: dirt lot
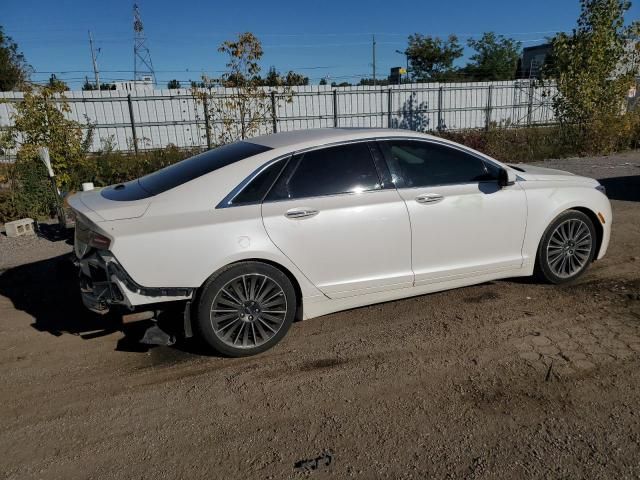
[[507, 379]]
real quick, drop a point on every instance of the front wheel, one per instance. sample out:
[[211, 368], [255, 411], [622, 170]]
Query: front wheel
[[567, 247], [246, 309]]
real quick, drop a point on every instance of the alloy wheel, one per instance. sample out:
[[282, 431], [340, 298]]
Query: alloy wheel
[[569, 248], [248, 310]]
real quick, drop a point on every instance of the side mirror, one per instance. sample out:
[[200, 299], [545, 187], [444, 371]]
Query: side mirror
[[506, 178]]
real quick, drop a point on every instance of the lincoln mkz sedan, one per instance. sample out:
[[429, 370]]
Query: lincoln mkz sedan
[[249, 236]]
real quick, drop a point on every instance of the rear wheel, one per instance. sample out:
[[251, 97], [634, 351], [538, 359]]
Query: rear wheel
[[567, 247], [246, 309]]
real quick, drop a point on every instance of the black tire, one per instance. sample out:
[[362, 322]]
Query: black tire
[[549, 251], [238, 283]]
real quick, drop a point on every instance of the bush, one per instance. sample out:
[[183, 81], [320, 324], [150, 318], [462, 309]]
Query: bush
[[539, 143], [30, 193], [8, 211], [110, 167]]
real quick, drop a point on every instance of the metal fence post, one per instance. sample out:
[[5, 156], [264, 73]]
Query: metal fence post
[[389, 108], [530, 105], [133, 124], [207, 124], [335, 108], [487, 120], [440, 122], [274, 115]]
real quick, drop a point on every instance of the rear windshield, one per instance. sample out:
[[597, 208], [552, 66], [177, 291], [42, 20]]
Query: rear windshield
[[194, 167]]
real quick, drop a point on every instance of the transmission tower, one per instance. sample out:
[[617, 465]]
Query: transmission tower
[[142, 65]]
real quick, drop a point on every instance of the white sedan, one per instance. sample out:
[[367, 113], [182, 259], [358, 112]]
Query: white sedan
[[252, 235]]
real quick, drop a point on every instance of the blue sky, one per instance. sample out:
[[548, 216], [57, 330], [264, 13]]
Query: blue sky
[[316, 38]]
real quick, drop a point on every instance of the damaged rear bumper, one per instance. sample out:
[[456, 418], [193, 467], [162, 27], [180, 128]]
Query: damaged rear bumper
[[104, 283]]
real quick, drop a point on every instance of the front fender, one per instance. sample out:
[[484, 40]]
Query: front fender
[[547, 200]]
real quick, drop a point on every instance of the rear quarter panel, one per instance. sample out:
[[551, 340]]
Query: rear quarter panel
[[182, 238]]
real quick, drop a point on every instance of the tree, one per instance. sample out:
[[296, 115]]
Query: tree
[[39, 121], [242, 112], [587, 66], [291, 79], [369, 81], [323, 81], [432, 58], [14, 69], [495, 58], [273, 78], [173, 84], [88, 86], [294, 79], [56, 83]]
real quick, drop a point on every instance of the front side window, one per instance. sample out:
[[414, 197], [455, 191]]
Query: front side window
[[327, 171], [423, 164]]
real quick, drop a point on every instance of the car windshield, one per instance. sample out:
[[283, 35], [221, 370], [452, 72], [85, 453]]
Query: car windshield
[[194, 167]]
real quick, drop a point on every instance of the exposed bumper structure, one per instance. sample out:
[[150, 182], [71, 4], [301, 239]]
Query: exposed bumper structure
[[103, 283]]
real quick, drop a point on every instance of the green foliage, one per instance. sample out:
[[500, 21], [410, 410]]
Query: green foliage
[[539, 143], [32, 192], [588, 69], [244, 112], [29, 192], [110, 167], [496, 58], [432, 58], [14, 69], [88, 86], [173, 84], [57, 84], [291, 79], [39, 121], [369, 81], [8, 210]]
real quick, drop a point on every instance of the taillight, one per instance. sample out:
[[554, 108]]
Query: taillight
[[99, 241]]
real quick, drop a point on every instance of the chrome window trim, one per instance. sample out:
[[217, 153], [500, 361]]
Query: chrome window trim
[[227, 201]]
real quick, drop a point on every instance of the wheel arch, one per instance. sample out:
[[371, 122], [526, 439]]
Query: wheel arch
[[589, 213], [596, 224], [292, 278]]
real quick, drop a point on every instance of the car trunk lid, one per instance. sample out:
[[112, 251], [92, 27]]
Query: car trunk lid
[[119, 202]]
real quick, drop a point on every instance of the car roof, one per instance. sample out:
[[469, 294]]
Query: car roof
[[322, 136]]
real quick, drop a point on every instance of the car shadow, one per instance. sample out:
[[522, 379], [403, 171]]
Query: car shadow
[[48, 291], [622, 188]]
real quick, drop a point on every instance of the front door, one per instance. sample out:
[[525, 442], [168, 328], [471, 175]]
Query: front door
[[462, 222]]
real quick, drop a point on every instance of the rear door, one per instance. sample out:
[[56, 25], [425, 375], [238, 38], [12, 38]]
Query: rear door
[[346, 229]]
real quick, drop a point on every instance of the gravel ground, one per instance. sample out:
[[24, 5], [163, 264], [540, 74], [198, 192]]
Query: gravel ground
[[508, 379]]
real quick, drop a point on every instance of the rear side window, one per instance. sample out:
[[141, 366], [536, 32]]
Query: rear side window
[[327, 171], [422, 164], [258, 187], [194, 167]]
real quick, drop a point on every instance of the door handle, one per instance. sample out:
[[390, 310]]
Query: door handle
[[429, 198], [295, 213]]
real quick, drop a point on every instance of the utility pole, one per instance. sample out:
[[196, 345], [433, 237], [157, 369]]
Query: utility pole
[[96, 72], [374, 60]]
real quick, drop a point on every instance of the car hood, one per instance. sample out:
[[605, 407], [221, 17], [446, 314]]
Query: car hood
[[103, 204], [532, 172]]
